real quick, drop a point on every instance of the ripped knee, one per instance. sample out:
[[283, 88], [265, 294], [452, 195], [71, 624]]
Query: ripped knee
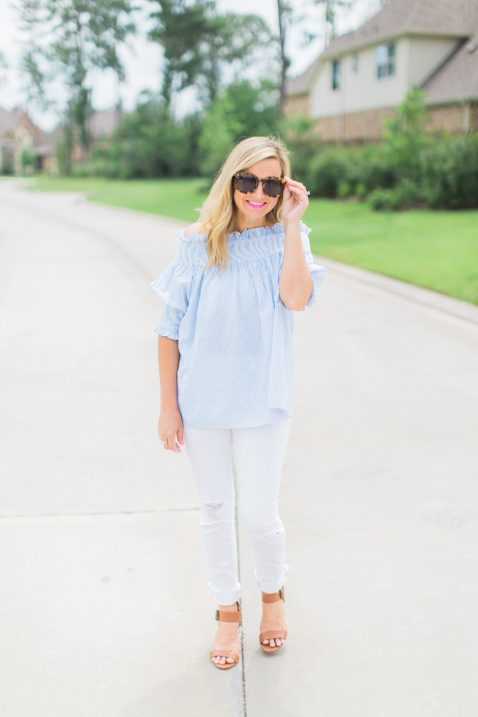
[[212, 511]]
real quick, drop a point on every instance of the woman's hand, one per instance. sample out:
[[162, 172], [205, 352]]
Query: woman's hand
[[295, 200], [170, 425]]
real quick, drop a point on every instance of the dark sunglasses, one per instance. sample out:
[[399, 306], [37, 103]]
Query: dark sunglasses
[[247, 182]]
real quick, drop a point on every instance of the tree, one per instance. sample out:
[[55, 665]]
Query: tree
[[198, 44], [3, 66], [284, 18], [289, 18], [242, 109], [331, 7], [67, 41], [405, 134]]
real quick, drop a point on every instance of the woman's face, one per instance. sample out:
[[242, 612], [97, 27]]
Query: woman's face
[[251, 208]]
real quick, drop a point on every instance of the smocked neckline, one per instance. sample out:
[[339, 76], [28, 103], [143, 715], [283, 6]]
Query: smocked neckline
[[276, 228], [248, 233]]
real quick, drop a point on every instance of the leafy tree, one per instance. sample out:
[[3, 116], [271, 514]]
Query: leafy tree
[[330, 15], [405, 134], [198, 44], [241, 110], [285, 19], [67, 41], [148, 142]]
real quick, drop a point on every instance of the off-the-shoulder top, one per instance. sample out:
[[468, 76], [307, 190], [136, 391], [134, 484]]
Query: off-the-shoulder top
[[234, 333]]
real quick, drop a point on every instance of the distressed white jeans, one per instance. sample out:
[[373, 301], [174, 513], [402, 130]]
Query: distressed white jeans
[[255, 457]]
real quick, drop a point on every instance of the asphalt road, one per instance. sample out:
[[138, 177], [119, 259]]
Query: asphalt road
[[104, 609]]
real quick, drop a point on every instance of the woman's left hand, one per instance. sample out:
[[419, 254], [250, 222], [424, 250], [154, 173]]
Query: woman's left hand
[[295, 200]]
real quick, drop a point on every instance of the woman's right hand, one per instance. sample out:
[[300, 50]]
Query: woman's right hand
[[170, 425]]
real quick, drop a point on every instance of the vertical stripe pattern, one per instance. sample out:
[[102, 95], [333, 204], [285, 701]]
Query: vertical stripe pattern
[[235, 335]]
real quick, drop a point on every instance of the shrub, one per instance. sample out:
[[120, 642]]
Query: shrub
[[406, 194], [450, 172], [327, 170], [405, 136]]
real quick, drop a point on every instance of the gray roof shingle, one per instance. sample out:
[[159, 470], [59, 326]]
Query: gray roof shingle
[[455, 78]]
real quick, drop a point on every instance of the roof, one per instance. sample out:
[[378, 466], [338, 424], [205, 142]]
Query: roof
[[300, 85], [448, 18], [9, 120], [457, 78], [104, 121], [445, 18]]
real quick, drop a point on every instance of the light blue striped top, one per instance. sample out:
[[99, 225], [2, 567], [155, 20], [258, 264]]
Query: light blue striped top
[[234, 333]]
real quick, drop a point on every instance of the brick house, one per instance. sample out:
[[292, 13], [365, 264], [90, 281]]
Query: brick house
[[18, 132], [363, 75]]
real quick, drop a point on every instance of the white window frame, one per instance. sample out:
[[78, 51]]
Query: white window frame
[[335, 78], [385, 56]]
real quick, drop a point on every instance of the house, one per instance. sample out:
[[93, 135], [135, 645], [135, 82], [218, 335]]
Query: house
[[20, 137], [363, 75], [101, 125]]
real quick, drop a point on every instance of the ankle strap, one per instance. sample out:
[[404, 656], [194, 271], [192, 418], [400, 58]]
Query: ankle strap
[[273, 597], [227, 616]]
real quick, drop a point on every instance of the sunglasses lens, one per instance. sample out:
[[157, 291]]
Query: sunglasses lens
[[273, 187], [246, 183]]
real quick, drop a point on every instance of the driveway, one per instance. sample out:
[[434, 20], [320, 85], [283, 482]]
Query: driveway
[[104, 605]]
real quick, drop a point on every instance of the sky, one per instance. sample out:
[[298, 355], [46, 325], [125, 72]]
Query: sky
[[142, 59]]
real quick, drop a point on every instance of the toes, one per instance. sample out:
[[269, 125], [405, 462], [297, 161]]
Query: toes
[[265, 642]]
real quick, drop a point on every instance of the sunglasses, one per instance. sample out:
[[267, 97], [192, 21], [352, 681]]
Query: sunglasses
[[247, 182]]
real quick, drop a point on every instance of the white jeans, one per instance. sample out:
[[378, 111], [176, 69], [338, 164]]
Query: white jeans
[[255, 457]]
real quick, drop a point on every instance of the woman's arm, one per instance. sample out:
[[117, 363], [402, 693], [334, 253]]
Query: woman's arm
[[170, 420], [168, 362], [296, 282]]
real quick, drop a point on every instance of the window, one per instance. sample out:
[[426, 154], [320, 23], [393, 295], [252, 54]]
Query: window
[[355, 62], [385, 57], [335, 74]]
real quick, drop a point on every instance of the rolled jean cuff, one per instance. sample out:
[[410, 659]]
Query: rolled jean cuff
[[271, 586], [227, 597]]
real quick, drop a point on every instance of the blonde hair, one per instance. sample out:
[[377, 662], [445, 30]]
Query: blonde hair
[[217, 213]]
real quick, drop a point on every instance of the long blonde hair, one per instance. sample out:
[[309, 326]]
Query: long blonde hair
[[217, 211]]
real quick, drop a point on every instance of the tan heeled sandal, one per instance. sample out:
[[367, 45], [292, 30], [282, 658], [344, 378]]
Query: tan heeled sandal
[[227, 616], [272, 634]]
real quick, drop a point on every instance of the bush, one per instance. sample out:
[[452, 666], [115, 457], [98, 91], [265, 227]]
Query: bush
[[370, 169], [407, 194], [450, 172], [405, 136], [327, 171]]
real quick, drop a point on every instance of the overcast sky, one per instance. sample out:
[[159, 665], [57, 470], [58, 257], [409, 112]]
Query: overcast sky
[[142, 59]]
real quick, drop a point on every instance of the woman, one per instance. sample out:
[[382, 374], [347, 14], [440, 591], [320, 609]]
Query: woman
[[226, 369]]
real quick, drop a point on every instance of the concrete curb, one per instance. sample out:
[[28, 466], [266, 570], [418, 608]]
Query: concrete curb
[[428, 297]]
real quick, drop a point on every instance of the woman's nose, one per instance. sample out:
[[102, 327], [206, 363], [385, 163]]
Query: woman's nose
[[258, 193]]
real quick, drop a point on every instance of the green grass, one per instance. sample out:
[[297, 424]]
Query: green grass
[[434, 249]]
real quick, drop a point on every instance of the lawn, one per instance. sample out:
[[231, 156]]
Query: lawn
[[434, 249]]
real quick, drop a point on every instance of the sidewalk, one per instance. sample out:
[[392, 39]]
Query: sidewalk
[[104, 602]]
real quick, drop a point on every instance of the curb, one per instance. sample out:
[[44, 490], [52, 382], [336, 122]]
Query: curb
[[432, 299]]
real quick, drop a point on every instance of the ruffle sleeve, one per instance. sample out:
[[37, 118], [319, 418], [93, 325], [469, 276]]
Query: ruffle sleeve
[[173, 287], [317, 271]]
